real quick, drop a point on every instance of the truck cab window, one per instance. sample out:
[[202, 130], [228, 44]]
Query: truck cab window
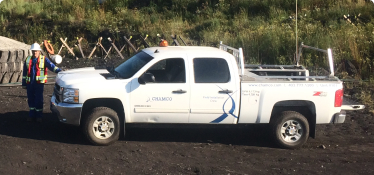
[[211, 70], [170, 70]]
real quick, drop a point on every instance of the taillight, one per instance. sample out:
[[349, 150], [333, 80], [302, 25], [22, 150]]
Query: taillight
[[339, 98]]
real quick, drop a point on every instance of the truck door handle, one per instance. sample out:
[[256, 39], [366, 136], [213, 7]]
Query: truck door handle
[[226, 91], [179, 91]]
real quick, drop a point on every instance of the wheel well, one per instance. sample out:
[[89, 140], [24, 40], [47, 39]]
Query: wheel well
[[112, 103], [306, 108]]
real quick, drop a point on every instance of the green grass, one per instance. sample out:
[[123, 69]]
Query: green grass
[[265, 29]]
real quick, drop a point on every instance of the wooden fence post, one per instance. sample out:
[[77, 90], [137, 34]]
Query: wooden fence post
[[146, 45], [66, 45], [182, 40], [61, 47], [115, 47], [79, 46], [107, 54], [129, 43], [175, 40]]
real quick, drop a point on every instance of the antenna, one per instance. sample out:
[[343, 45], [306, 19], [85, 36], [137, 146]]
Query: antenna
[[296, 33]]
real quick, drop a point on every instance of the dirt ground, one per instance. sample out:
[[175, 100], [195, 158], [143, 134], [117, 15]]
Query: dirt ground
[[55, 148]]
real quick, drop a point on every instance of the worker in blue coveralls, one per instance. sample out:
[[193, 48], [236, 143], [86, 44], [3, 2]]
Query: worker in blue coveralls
[[33, 79]]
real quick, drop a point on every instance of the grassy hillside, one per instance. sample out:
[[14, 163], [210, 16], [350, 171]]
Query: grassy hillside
[[264, 28]]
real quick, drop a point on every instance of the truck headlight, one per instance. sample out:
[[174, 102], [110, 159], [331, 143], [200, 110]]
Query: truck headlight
[[70, 95]]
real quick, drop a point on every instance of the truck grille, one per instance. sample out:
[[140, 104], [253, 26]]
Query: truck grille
[[57, 86], [57, 92]]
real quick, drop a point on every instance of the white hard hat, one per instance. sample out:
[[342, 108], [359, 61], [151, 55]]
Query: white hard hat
[[35, 46]]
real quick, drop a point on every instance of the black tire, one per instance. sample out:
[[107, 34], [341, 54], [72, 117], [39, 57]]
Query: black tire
[[18, 67], [12, 56], [5, 78], [4, 56], [11, 65], [14, 77], [20, 55], [111, 125], [289, 129]]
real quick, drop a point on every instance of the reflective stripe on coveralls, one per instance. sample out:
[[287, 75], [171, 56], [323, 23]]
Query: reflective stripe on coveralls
[[27, 62], [41, 74]]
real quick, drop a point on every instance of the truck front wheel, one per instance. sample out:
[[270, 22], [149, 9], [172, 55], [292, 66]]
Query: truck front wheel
[[102, 126], [290, 129]]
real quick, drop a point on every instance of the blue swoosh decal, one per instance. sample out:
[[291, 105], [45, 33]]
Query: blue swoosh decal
[[225, 115]]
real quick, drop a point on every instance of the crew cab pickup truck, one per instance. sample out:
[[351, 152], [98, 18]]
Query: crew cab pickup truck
[[197, 85]]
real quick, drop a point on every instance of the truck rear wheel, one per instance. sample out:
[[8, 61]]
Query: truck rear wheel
[[290, 129], [102, 126]]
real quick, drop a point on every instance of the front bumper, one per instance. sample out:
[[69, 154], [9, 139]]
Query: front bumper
[[66, 112]]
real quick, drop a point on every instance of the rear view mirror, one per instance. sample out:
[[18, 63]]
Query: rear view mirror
[[146, 78]]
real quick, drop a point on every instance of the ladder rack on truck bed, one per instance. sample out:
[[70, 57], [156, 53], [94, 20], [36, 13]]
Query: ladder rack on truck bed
[[289, 78], [277, 67], [280, 72], [277, 70]]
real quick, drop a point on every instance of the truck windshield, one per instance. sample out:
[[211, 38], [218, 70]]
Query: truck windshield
[[133, 65]]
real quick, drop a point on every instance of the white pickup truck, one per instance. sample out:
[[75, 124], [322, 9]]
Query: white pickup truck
[[198, 85]]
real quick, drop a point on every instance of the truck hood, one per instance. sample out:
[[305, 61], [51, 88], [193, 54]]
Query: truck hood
[[81, 75]]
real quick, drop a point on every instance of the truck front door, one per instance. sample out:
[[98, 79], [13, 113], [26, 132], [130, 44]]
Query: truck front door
[[167, 99]]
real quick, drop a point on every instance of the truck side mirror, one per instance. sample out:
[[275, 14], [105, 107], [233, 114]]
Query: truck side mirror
[[146, 78]]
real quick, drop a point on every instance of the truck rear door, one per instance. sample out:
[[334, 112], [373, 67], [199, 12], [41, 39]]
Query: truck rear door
[[215, 90]]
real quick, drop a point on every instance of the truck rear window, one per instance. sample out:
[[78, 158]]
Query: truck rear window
[[211, 70]]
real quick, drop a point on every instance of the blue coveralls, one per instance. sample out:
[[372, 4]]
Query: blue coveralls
[[34, 89]]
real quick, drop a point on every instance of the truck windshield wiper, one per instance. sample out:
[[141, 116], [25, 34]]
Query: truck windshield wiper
[[116, 74], [113, 72]]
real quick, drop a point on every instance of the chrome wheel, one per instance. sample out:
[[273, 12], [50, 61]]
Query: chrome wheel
[[291, 131], [103, 127]]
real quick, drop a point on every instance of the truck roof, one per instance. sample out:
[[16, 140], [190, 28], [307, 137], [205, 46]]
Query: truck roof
[[185, 50]]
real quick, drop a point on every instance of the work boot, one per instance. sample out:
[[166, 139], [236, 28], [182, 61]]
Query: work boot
[[39, 120], [29, 119]]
